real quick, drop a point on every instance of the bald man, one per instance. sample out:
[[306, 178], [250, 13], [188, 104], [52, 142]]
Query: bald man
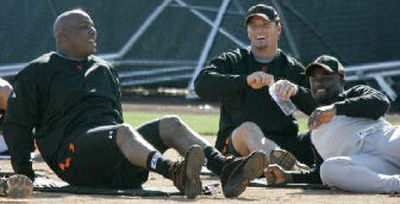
[[72, 100]]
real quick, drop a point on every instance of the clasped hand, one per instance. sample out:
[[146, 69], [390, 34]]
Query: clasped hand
[[259, 79], [321, 115], [283, 88]]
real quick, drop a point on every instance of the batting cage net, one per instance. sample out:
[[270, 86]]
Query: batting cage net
[[165, 43]]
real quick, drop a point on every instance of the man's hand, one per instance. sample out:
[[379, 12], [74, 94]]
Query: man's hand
[[285, 89], [275, 175], [321, 115], [259, 79]]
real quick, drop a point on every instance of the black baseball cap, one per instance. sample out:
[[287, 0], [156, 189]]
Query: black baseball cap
[[327, 63], [262, 10]]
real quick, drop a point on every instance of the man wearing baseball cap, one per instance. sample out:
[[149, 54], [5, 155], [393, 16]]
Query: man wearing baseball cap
[[327, 63], [360, 149], [71, 98], [261, 10], [249, 118]]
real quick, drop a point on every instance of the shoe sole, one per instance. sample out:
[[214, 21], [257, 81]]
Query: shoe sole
[[252, 169], [284, 159], [195, 159], [19, 186]]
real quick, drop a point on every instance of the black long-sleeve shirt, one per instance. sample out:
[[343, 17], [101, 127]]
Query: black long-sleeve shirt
[[225, 79], [360, 102], [57, 97]]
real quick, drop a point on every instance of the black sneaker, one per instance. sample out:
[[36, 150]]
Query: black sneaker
[[186, 174], [16, 186], [238, 172]]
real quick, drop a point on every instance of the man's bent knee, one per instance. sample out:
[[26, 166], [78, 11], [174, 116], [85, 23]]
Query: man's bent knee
[[124, 132], [170, 126], [247, 131], [244, 136], [171, 121], [5, 91], [251, 126], [331, 170]]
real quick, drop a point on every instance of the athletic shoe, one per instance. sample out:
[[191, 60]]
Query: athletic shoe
[[186, 174], [286, 160], [238, 172]]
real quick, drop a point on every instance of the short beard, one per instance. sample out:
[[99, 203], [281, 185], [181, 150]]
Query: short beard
[[327, 100], [324, 101]]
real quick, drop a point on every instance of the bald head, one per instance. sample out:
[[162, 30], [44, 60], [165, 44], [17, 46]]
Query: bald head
[[63, 20], [75, 34]]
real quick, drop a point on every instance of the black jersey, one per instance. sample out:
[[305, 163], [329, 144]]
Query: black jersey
[[53, 99], [225, 79]]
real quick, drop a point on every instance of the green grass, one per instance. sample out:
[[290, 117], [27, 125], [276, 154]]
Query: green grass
[[205, 124]]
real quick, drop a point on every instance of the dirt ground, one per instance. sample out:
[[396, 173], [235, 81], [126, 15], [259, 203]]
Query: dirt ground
[[251, 195]]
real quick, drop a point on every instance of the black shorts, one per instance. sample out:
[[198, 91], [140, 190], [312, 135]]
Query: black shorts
[[93, 158], [228, 148]]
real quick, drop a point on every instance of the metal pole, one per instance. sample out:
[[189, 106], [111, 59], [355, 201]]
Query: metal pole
[[386, 87], [234, 39], [207, 46], [143, 28], [285, 26]]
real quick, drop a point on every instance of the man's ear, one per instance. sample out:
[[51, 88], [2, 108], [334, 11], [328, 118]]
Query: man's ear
[[248, 31], [342, 81], [279, 27], [62, 35]]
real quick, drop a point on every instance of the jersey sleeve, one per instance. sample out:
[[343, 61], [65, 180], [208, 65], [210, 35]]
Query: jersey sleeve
[[115, 77], [303, 99], [218, 80], [20, 119], [363, 101]]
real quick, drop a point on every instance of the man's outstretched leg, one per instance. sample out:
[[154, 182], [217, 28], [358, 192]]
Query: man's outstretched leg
[[248, 137], [185, 174], [235, 173]]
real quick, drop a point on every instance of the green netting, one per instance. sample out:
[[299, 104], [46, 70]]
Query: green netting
[[359, 31]]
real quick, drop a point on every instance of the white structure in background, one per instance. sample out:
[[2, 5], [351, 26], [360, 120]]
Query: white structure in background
[[176, 70]]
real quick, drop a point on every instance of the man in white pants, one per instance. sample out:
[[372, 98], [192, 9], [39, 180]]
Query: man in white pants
[[361, 150]]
